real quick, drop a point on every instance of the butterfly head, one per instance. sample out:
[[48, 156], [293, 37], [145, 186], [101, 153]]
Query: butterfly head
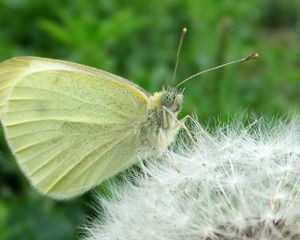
[[172, 100]]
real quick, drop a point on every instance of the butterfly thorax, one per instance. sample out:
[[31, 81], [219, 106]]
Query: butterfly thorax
[[161, 126]]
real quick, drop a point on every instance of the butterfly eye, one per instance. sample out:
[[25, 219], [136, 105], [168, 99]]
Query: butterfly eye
[[167, 99]]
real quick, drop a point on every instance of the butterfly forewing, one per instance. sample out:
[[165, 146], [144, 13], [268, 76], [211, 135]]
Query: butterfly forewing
[[71, 127]]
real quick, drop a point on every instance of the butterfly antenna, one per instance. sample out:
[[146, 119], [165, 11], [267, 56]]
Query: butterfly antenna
[[183, 33], [250, 57]]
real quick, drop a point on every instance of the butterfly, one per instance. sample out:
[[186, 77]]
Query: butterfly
[[71, 126]]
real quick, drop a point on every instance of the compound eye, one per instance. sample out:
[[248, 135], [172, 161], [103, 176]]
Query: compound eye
[[167, 99]]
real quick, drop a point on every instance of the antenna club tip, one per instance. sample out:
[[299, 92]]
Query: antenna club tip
[[252, 56], [184, 30]]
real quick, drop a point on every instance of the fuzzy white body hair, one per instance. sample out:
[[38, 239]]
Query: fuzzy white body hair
[[239, 183]]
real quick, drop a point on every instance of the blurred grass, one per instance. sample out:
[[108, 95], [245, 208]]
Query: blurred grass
[[138, 40]]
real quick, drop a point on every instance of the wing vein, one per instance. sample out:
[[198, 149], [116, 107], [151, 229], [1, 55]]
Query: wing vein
[[55, 92], [82, 159]]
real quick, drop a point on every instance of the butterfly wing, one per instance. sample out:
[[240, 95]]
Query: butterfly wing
[[69, 126]]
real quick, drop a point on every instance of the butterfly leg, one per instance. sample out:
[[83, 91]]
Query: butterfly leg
[[181, 124], [202, 130], [184, 127]]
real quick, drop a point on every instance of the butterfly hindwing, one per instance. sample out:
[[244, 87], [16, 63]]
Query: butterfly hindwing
[[70, 127]]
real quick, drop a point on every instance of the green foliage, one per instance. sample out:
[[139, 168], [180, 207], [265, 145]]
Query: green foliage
[[138, 40]]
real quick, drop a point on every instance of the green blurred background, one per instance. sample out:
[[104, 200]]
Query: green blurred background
[[138, 40]]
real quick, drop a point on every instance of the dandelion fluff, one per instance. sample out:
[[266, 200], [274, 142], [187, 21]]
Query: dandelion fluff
[[238, 183]]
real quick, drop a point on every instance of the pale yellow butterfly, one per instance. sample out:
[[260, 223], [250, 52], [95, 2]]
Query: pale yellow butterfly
[[71, 127]]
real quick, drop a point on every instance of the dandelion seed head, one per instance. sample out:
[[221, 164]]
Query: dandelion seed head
[[237, 183]]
